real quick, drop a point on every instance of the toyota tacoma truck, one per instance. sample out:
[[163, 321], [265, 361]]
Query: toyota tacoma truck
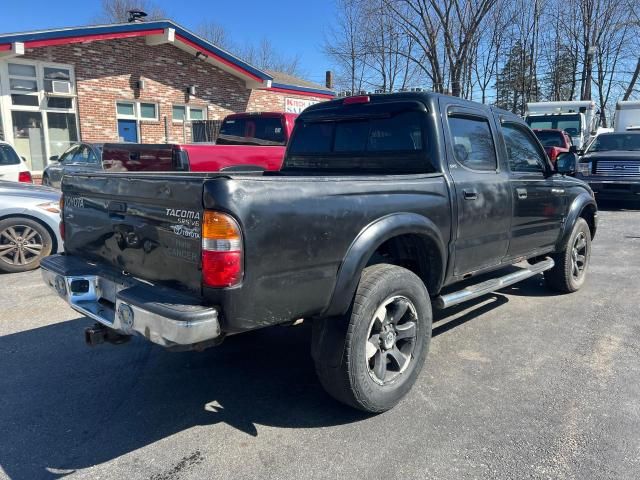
[[253, 139], [384, 205]]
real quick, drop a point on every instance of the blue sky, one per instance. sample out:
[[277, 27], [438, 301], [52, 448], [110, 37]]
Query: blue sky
[[294, 27]]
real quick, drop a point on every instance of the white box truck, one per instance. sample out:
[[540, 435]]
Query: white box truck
[[627, 116], [579, 119]]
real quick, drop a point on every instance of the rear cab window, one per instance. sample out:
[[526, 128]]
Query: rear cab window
[[8, 155], [252, 130], [372, 139]]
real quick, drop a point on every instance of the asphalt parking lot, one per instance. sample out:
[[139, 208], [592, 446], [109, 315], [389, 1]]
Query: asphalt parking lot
[[518, 384]]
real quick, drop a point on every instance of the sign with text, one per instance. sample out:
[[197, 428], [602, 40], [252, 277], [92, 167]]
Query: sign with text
[[296, 105]]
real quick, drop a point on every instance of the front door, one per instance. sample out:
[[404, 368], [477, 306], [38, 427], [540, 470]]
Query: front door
[[481, 188], [538, 199], [128, 131]]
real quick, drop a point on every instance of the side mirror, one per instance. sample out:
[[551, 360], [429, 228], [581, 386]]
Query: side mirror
[[566, 163], [54, 158], [573, 149], [24, 159]]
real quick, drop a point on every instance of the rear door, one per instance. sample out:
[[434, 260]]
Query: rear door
[[481, 188], [538, 198]]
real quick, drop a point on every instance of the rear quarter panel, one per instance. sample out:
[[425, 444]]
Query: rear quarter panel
[[297, 231]]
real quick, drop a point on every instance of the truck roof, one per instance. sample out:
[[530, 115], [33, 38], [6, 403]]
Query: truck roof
[[430, 99]]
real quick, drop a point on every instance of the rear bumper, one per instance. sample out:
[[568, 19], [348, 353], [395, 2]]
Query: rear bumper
[[129, 306]]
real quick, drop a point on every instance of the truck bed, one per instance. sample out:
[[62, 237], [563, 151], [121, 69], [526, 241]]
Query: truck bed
[[296, 231]]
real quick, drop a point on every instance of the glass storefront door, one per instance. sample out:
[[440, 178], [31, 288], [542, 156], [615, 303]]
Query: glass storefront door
[[28, 138]]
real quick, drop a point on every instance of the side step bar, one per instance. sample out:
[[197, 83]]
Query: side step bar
[[483, 288]]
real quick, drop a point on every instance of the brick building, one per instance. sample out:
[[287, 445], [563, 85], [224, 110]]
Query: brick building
[[144, 82]]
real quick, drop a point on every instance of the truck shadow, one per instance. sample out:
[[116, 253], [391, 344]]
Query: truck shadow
[[66, 406]]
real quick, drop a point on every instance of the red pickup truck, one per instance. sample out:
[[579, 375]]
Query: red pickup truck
[[252, 139], [554, 141]]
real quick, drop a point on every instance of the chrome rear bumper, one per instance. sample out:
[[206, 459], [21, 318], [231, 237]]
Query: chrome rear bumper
[[129, 306]]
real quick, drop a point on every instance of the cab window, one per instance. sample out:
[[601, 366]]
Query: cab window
[[473, 145], [522, 150]]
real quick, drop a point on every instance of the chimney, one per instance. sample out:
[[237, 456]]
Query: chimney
[[328, 82], [136, 16]]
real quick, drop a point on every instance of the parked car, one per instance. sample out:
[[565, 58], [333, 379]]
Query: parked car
[[384, 204], [12, 167], [79, 157], [29, 225], [611, 165], [249, 139], [554, 142]]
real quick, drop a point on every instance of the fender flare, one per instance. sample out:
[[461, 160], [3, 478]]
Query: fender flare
[[579, 204], [367, 242]]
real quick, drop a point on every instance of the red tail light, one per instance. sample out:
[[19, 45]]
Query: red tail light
[[62, 229], [25, 177], [358, 99], [221, 250]]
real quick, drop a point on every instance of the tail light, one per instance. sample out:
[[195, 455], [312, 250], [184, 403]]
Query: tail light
[[356, 100], [221, 250], [25, 177]]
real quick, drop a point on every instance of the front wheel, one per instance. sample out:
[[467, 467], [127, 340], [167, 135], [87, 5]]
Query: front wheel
[[370, 358], [570, 270]]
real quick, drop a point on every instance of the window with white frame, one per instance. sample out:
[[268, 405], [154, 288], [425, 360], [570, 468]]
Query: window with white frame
[[180, 112], [137, 110], [39, 105]]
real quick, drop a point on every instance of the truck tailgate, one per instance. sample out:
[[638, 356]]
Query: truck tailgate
[[147, 226]]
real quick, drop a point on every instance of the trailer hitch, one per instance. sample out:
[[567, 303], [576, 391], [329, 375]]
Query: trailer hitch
[[99, 333]]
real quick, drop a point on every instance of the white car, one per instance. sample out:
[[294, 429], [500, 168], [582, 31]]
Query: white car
[[12, 167]]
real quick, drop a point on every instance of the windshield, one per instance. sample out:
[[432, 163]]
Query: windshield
[[252, 131], [568, 123], [8, 156], [550, 138], [616, 141]]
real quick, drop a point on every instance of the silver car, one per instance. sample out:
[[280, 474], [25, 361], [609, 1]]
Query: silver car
[[29, 225]]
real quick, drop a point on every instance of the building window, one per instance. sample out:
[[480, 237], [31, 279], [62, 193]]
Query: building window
[[148, 111], [137, 110], [178, 113], [126, 109], [38, 101]]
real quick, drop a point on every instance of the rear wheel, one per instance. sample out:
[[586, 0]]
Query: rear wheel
[[570, 270], [45, 181], [370, 358], [23, 243]]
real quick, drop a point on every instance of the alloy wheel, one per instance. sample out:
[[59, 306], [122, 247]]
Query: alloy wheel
[[391, 339], [20, 245], [579, 256]]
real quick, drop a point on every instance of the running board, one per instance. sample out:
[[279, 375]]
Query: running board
[[483, 288]]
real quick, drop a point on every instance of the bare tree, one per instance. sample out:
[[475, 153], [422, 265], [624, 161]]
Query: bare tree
[[266, 57], [445, 32], [117, 11], [344, 44], [216, 34]]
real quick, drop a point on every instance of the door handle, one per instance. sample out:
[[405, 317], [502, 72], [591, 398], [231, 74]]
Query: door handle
[[470, 194], [522, 193]]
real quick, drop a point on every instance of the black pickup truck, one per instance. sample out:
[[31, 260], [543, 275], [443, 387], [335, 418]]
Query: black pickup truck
[[384, 202]]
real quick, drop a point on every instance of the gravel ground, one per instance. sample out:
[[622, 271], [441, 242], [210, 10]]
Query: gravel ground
[[519, 384]]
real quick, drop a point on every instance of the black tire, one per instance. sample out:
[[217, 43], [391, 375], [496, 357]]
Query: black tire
[[357, 359], [45, 181], [570, 270], [23, 243]]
